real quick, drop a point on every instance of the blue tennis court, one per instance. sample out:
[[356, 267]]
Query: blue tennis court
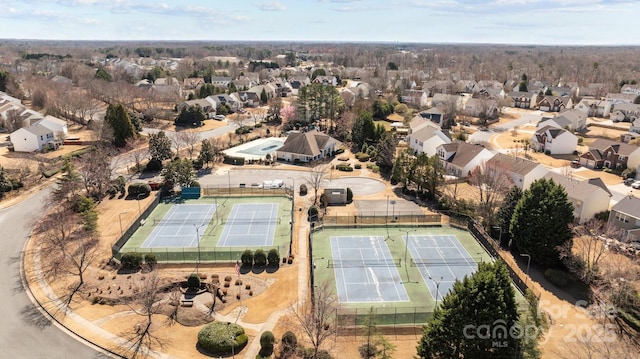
[[179, 225], [250, 225], [440, 259], [365, 271]]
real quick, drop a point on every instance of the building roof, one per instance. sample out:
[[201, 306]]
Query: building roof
[[575, 189], [38, 130], [464, 152], [515, 164], [601, 144], [306, 143], [628, 205]]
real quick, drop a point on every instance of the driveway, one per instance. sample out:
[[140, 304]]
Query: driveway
[[25, 332]]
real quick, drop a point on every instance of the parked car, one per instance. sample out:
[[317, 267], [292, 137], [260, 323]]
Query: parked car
[[629, 181], [575, 164], [635, 185], [218, 117]]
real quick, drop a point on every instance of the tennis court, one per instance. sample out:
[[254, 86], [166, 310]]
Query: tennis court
[[179, 226], [250, 224], [441, 260], [365, 271]]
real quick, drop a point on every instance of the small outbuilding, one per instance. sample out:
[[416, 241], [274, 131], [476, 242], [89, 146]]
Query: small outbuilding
[[336, 196]]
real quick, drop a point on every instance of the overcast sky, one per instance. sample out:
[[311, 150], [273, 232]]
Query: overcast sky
[[545, 22]]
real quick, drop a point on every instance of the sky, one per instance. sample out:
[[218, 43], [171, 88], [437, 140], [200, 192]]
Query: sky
[[535, 22]]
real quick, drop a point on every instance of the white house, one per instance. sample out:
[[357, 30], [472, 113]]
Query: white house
[[625, 112], [594, 107], [416, 98], [460, 158], [207, 104], [522, 171], [32, 138], [553, 141], [306, 147], [58, 126], [425, 137], [588, 197]]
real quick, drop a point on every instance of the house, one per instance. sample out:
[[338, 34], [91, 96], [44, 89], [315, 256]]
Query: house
[[192, 83], [553, 103], [553, 141], [417, 98], [630, 89], [573, 120], [611, 154], [635, 126], [166, 81], [58, 126], [589, 197], [227, 100], [434, 114], [521, 171], [616, 98], [425, 137], [306, 147], [441, 99], [481, 108], [523, 99], [221, 81], [593, 107], [32, 138], [326, 80], [625, 215], [625, 112], [208, 106], [461, 158]]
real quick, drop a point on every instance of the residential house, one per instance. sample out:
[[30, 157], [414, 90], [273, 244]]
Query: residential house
[[521, 171], [589, 197], [166, 81], [306, 147], [617, 98], [635, 126], [32, 138], [244, 83], [553, 141], [625, 216], [425, 136], [553, 103], [435, 115], [525, 100], [573, 120], [221, 81], [326, 80], [417, 98], [446, 100], [461, 158], [207, 104], [611, 154], [482, 108], [560, 91], [630, 89], [144, 83], [227, 100], [625, 112], [592, 107], [192, 83], [269, 89], [58, 126]]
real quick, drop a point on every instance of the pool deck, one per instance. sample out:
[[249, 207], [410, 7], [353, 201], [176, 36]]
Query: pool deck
[[237, 151]]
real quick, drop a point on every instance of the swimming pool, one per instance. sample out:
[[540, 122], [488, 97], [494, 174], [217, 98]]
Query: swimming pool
[[257, 149]]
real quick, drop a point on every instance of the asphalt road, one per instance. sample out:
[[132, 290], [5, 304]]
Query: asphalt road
[[24, 332]]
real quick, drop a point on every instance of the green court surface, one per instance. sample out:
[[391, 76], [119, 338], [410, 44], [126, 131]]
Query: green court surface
[[421, 301], [209, 233]]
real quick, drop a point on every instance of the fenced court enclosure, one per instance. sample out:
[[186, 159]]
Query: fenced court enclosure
[[211, 229], [397, 272]]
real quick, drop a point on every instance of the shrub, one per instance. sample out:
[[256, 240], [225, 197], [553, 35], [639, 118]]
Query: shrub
[[349, 195], [153, 166], [193, 281], [131, 260], [260, 258], [362, 157], [338, 151], [247, 258], [267, 339], [137, 188], [216, 338], [273, 257], [288, 344], [357, 166], [80, 203], [239, 161], [557, 277], [150, 259], [303, 190], [194, 184], [344, 168]]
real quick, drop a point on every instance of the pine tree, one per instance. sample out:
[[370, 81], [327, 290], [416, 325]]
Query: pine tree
[[206, 152], [120, 123], [159, 146]]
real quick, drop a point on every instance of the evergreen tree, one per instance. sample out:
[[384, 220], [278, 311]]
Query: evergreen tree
[[4, 79], [191, 116], [206, 152], [363, 129], [386, 151], [179, 172], [540, 222], [263, 97], [505, 213], [475, 318], [102, 74], [119, 121], [159, 146]]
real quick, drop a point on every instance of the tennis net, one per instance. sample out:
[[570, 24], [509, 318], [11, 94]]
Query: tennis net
[[332, 263], [247, 221], [182, 222], [446, 262]]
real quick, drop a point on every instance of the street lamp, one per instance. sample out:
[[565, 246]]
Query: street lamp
[[120, 219], [138, 200], [526, 278], [393, 206], [229, 180], [233, 342], [386, 220], [437, 288], [198, 243]]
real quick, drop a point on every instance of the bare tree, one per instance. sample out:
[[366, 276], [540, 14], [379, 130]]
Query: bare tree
[[318, 319], [492, 181], [191, 140], [139, 152], [178, 139], [96, 171], [314, 179], [141, 339], [13, 120]]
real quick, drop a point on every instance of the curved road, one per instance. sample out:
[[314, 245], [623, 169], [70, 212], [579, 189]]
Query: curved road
[[24, 331]]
